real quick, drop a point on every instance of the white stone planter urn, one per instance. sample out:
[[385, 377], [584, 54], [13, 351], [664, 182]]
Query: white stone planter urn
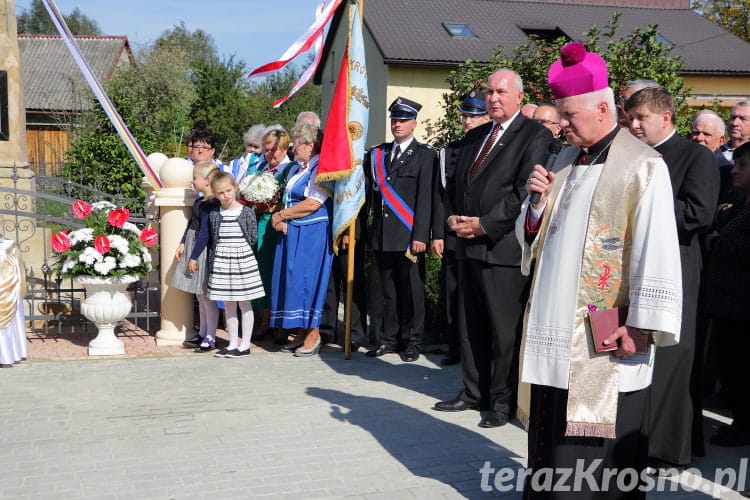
[[106, 304]]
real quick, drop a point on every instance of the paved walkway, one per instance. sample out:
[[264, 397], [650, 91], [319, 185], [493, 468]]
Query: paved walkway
[[172, 425]]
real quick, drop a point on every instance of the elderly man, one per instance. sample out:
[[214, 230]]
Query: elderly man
[[483, 199], [473, 113], [738, 129], [547, 115], [708, 129], [601, 240], [695, 184], [400, 201]]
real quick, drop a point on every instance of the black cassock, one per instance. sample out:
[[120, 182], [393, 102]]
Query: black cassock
[[673, 406]]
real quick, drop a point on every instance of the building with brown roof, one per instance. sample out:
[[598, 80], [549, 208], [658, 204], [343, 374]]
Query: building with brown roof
[[55, 90], [412, 45]]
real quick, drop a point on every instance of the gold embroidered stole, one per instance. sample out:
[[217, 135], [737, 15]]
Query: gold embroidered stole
[[594, 378]]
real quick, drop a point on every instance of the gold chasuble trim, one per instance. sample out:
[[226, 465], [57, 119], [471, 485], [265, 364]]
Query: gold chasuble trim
[[604, 281]]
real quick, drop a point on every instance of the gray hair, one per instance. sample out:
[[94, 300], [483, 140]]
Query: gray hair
[[709, 115], [271, 128], [254, 135], [306, 133], [641, 84], [308, 117], [606, 95], [517, 80]]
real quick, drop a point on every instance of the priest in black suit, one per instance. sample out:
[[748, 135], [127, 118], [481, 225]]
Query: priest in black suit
[[483, 200], [695, 184], [399, 203]]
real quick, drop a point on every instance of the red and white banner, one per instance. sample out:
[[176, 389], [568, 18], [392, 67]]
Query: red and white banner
[[313, 36]]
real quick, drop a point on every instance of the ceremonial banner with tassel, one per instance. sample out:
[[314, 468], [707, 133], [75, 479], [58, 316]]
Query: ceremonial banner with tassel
[[101, 95], [313, 37], [345, 135]]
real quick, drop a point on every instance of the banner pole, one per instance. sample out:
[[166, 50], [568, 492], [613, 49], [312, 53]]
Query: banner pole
[[349, 291]]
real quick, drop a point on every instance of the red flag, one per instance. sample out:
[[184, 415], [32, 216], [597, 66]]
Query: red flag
[[336, 158]]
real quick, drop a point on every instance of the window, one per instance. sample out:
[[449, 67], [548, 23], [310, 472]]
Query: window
[[4, 129], [664, 40], [459, 30], [544, 33]]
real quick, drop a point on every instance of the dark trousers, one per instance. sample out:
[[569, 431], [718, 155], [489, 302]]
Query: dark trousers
[[550, 448], [403, 299], [732, 345], [337, 293], [449, 298], [490, 316]]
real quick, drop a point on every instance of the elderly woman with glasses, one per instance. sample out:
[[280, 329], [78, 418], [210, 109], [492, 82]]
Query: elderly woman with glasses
[[303, 253]]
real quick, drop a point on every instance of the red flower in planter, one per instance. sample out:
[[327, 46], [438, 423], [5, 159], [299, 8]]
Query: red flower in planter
[[148, 236], [60, 241], [81, 209], [118, 217], [102, 244]]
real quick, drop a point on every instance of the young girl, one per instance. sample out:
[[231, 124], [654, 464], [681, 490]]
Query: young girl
[[230, 231], [195, 283]]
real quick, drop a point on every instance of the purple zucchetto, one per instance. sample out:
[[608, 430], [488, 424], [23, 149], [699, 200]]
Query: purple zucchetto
[[577, 72]]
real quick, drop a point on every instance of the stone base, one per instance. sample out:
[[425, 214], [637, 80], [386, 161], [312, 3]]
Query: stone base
[[170, 337], [106, 344]]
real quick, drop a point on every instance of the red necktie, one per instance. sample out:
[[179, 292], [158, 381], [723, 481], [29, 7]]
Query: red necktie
[[485, 151]]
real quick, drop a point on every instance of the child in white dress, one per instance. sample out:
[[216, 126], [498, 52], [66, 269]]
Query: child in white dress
[[230, 231]]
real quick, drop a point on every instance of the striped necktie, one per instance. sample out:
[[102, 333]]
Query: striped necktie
[[485, 150]]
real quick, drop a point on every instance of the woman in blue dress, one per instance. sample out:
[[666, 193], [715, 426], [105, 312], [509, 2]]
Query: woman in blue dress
[[302, 264]]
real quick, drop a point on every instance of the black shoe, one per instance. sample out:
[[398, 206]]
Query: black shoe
[[205, 347], [236, 353], [380, 351], [291, 346], [194, 342], [493, 419], [450, 359], [221, 353], [410, 355], [454, 405]]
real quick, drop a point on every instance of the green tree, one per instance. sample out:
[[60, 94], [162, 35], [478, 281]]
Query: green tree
[[197, 46], [99, 158], [732, 15], [636, 55], [35, 20]]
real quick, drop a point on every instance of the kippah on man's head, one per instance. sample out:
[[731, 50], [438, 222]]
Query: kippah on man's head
[[577, 72], [404, 109]]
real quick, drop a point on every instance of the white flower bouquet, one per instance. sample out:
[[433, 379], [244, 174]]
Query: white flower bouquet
[[260, 191], [107, 247]]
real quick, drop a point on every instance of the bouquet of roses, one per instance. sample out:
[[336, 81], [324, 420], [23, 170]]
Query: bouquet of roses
[[260, 191], [108, 246]]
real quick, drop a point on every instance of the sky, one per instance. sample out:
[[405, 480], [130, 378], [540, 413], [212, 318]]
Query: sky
[[255, 31]]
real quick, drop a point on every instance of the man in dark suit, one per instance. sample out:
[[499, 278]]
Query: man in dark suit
[[473, 114], [484, 198], [695, 184], [399, 200]]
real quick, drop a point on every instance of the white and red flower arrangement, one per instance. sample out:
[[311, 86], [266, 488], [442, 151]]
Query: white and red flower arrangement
[[108, 246], [261, 191]]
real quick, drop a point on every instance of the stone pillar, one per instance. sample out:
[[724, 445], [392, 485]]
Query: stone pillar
[[175, 201], [13, 127]]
